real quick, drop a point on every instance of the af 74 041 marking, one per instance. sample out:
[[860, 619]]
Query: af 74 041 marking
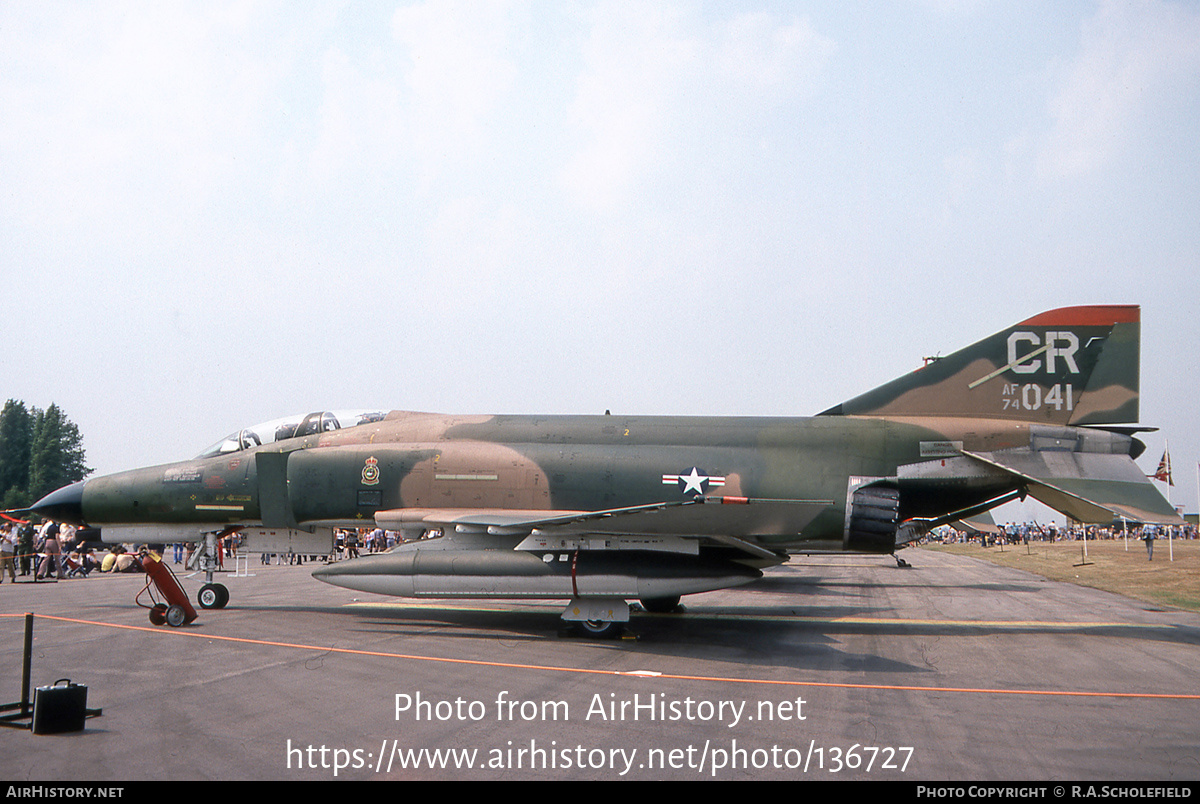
[[1029, 396]]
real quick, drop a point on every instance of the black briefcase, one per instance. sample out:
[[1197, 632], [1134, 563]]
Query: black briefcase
[[60, 707]]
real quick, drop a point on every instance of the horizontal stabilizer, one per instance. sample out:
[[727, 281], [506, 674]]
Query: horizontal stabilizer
[[980, 523], [1087, 487]]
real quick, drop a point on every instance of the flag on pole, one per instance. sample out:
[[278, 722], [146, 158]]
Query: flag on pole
[[1164, 469]]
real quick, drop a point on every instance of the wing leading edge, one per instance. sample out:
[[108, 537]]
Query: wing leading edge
[[737, 522]]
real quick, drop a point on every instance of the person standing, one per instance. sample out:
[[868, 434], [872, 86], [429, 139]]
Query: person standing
[[53, 552], [8, 548], [25, 547]]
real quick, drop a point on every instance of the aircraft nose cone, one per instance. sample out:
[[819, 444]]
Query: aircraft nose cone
[[63, 505]]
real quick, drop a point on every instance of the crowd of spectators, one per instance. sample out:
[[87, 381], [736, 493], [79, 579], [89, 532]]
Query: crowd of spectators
[[347, 543], [56, 552], [1026, 532], [53, 552]]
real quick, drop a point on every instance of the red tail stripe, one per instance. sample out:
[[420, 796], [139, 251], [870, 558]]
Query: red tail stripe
[[1097, 316]]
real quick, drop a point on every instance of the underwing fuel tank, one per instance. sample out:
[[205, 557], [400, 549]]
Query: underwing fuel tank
[[415, 570]]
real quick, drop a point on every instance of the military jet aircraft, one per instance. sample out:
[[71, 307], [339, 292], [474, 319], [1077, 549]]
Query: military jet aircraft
[[601, 510]]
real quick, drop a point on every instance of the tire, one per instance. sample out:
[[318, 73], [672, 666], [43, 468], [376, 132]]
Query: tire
[[600, 629], [660, 605], [175, 616], [158, 614], [212, 596], [207, 597]]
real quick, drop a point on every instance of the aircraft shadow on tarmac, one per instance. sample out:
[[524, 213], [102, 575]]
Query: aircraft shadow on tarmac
[[803, 638], [814, 585]]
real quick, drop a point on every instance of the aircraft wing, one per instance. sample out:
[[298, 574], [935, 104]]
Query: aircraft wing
[[1089, 487], [733, 521]]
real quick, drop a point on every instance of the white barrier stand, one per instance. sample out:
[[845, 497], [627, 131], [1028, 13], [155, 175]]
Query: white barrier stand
[[241, 566]]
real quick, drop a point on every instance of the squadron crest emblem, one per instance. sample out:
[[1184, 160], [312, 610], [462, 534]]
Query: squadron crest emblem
[[370, 472]]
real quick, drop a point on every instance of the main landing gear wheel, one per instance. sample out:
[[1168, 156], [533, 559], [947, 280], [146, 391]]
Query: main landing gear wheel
[[158, 614], [175, 616], [660, 605], [600, 629], [213, 596], [597, 617]]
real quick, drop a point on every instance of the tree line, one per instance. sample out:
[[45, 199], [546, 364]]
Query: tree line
[[40, 451]]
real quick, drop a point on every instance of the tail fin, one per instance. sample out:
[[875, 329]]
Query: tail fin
[[1071, 366]]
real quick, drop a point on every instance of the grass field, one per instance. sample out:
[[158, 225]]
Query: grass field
[[1110, 566]]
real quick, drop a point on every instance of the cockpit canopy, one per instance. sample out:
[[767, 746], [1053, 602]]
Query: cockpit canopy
[[322, 421]]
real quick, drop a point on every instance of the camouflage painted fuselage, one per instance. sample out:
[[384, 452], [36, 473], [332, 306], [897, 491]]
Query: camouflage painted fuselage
[[575, 463], [621, 506]]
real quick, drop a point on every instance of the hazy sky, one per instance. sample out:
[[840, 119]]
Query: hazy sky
[[213, 214]]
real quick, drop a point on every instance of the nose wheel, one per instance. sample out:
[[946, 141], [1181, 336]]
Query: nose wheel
[[212, 596]]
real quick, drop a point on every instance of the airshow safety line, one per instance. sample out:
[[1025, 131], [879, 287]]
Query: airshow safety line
[[639, 673]]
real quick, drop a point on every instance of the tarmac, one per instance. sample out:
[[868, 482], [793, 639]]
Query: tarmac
[[827, 669]]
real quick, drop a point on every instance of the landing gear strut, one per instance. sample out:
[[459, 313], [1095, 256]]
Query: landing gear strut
[[211, 595]]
